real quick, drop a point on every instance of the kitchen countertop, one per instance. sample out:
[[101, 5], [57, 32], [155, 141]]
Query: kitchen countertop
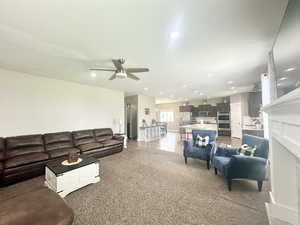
[[201, 126], [150, 126], [251, 128]]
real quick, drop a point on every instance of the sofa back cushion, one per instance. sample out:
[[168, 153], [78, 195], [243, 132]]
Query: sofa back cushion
[[83, 137], [22, 145], [2, 148], [103, 134], [54, 141]]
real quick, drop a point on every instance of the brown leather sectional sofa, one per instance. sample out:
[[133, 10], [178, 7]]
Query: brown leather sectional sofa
[[23, 157]]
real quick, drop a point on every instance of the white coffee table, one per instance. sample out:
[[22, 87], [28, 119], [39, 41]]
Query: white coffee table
[[66, 179]]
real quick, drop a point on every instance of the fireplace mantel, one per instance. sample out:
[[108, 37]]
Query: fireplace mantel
[[284, 128]]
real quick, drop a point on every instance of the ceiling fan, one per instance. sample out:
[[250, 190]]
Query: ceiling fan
[[120, 71]]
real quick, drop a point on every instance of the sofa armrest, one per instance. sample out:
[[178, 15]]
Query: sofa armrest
[[118, 137], [249, 167]]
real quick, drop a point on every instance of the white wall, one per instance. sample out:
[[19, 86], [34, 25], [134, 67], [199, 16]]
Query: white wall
[[32, 104], [171, 107], [145, 102]]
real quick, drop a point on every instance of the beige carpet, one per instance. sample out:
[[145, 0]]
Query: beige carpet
[[147, 186]]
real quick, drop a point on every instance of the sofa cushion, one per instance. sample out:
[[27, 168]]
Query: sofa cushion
[[2, 147], [83, 137], [39, 206], [103, 134], [54, 141], [90, 146], [111, 142], [62, 152], [20, 145], [26, 159]]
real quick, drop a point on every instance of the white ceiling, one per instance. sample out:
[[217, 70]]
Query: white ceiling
[[218, 41]]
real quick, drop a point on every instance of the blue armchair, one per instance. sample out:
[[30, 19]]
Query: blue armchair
[[228, 163], [203, 153]]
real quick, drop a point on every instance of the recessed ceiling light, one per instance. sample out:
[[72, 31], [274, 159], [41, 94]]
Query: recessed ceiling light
[[93, 74], [290, 69], [232, 88], [146, 89], [174, 35], [283, 78], [230, 82], [279, 84]]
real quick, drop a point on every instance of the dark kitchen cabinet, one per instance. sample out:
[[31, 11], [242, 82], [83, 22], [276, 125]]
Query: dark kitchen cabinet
[[213, 111], [186, 108], [204, 111], [254, 104], [223, 107], [195, 112]]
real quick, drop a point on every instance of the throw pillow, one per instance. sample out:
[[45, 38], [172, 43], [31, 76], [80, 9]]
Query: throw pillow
[[247, 150], [202, 141]]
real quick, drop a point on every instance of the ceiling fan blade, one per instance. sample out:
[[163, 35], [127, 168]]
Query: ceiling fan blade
[[117, 64], [113, 77], [130, 75], [137, 70], [102, 69]]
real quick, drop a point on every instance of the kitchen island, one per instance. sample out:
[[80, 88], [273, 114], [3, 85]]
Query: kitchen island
[[210, 126], [149, 133]]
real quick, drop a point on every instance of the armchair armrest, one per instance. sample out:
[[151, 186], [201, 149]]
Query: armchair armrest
[[249, 167]]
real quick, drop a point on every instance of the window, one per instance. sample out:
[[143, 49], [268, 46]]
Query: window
[[166, 116]]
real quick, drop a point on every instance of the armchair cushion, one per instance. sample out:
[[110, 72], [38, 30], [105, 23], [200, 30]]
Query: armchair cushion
[[248, 167]]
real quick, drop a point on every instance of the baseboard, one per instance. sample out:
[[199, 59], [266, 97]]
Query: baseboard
[[281, 212]]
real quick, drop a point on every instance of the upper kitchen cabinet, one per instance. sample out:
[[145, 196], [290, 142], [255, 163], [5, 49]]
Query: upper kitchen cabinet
[[185, 108], [213, 111], [254, 104], [195, 112], [223, 107]]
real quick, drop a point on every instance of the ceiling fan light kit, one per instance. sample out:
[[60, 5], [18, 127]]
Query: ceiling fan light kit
[[121, 75], [120, 72]]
